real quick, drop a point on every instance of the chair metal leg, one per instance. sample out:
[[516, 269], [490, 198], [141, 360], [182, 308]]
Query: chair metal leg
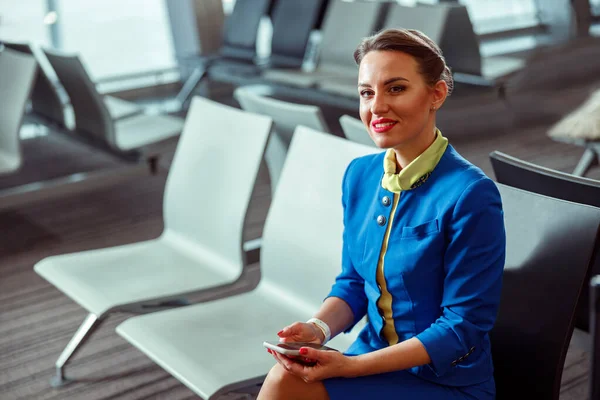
[[588, 160], [89, 325], [190, 85]]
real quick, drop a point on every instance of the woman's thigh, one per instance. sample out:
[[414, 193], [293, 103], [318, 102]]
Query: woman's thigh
[[402, 385]]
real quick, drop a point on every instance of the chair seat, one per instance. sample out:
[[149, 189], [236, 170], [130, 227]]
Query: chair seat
[[493, 68], [100, 280], [210, 345], [141, 130], [307, 79], [119, 108], [9, 162]]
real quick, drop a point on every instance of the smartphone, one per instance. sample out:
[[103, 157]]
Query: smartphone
[[292, 349]]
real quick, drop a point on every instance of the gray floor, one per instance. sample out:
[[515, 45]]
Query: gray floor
[[36, 321]]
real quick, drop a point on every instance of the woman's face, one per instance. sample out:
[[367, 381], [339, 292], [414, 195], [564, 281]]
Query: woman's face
[[395, 101]]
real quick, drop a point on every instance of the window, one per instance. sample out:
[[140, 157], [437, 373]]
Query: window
[[23, 21], [116, 37]]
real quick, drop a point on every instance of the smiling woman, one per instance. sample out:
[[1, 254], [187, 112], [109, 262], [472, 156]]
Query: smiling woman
[[423, 250]]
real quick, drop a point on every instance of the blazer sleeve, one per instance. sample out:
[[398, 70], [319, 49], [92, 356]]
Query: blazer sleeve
[[349, 285], [473, 266]]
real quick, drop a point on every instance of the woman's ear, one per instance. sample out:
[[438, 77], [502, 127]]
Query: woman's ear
[[440, 92]]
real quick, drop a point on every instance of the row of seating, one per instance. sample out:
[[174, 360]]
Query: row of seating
[[119, 129], [105, 120], [214, 345], [327, 63]]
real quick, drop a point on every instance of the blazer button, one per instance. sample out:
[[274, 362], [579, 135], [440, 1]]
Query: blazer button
[[383, 319], [386, 201], [381, 220]]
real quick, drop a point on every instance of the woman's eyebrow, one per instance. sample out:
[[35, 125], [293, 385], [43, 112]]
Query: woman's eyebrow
[[387, 81]]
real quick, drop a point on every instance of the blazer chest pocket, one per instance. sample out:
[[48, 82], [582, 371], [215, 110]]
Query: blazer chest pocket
[[422, 230]]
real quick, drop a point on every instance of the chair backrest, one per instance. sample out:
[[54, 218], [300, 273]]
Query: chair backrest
[[344, 25], [45, 100], [92, 118], [550, 246], [302, 238], [293, 21], [212, 177], [595, 334], [241, 29], [210, 23], [355, 130], [448, 25], [286, 117], [517, 173], [17, 74]]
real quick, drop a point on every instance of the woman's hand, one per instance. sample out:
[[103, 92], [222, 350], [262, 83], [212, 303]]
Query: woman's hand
[[301, 332], [329, 364]]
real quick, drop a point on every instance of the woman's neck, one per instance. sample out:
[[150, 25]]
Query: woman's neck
[[407, 152]]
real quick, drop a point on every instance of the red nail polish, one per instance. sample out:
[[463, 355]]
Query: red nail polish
[[280, 332], [303, 351]]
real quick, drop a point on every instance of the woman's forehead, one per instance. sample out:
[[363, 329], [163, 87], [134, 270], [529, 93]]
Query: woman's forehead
[[381, 65]]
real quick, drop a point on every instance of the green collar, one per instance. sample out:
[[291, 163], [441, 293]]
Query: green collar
[[415, 173]]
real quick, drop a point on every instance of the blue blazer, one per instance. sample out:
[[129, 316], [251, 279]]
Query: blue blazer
[[443, 264]]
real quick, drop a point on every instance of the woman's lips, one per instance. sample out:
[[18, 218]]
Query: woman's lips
[[383, 125]]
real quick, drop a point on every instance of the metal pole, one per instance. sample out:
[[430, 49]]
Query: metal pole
[[55, 37]]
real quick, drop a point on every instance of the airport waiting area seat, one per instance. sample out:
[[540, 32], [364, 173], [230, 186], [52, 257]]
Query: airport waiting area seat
[[551, 244], [216, 347], [286, 117], [293, 23], [17, 74], [344, 25], [449, 25], [521, 174], [45, 100], [355, 130], [131, 131], [206, 199], [595, 332]]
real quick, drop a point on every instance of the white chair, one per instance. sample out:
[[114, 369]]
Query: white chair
[[17, 74], [45, 98], [216, 347], [206, 199], [355, 130], [108, 120], [286, 117]]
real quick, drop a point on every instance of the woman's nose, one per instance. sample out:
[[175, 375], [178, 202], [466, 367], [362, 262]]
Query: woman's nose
[[379, 106]]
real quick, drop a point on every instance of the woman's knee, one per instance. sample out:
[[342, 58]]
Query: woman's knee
[[280, 377], [281, 384]]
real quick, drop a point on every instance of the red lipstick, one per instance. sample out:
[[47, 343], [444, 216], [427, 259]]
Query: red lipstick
[[382, 125]]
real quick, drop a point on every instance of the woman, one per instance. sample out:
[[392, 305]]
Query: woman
[[423, 254]]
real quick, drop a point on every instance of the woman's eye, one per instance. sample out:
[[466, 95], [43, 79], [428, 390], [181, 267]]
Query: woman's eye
[[397, 89], [366, 93]]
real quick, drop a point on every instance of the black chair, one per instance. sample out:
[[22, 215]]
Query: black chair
[[534, 178], [45, 100], [550, 247], [293, 21], [595, 330]]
